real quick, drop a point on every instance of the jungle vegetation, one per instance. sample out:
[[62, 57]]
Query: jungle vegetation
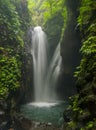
[[17, 16]]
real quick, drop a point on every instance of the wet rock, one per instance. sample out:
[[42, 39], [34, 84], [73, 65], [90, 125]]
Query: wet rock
[[25, 123], [5, 125], [37, 124], [49, 124], [67, 115], [1, 116], [2, 125], [1, 113]]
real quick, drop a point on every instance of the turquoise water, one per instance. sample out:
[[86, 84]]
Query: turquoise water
[[45, 112]]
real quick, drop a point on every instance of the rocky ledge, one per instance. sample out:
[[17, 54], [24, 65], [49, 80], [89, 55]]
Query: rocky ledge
[[21, 123]]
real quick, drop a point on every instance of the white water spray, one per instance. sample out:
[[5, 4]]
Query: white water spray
[[44, 77]]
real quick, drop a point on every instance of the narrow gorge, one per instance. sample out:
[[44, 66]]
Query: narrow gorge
[[47, 65]]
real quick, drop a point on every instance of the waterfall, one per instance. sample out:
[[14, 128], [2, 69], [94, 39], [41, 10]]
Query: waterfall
[[52, 74], [45, 75]]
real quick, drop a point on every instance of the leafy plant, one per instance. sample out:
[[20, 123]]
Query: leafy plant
[[9, 75]]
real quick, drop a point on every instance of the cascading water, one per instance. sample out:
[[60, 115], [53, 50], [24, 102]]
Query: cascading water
[[46, 106], [52, 74], [44, 77], [39, 50]]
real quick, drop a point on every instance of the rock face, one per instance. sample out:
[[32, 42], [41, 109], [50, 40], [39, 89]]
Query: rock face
[[27, 77], [26, 93], [70, 50], [83, 105], [16, 124]]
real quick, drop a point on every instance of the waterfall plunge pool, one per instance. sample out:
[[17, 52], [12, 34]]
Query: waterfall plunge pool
[[45, 112]]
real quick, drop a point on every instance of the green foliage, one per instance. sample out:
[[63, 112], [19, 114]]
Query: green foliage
[[75, 105], [42, 11], [53, 7], [89, 125], [88, 63], [24, 14], [9, 74], [72, 125], [86, 12], [92, 29], [86, 72], [89, 46], [14, 21], [35, 11], [9, 24]]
